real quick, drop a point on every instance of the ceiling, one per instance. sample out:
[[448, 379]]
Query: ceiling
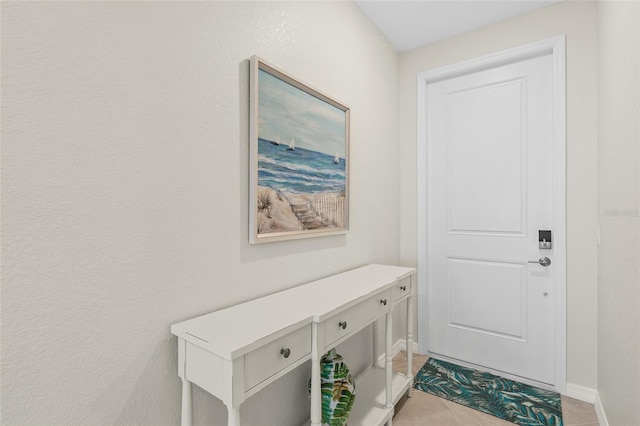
[[410, 24]]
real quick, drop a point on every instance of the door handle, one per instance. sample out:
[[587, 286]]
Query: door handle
[[544, 261]]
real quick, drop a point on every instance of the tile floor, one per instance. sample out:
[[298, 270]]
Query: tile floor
[[425, 409]]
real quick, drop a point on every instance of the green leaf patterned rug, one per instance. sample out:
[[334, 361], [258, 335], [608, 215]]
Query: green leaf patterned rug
[[503, 398]]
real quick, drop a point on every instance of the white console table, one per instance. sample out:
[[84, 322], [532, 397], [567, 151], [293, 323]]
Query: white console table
[[235, 352]]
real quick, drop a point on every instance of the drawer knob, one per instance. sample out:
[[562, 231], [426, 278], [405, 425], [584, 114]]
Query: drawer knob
[[343, 324], [383, 301], [403, 287], [285, 352]]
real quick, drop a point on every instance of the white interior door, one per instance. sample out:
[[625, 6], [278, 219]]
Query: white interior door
[[489, 192]]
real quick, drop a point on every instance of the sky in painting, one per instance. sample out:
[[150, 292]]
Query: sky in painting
[[288, 112]]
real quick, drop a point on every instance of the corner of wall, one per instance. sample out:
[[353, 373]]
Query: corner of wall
[[591, 396], [602, 417]]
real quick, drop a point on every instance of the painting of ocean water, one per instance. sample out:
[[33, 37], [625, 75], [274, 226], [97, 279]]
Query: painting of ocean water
[[299, 171], [300, 151]]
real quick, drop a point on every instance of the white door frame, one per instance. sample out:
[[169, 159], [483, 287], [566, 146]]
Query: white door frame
[[556, 47]]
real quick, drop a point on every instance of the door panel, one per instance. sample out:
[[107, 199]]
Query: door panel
[[489, 192], [471, 285], [471, 182]]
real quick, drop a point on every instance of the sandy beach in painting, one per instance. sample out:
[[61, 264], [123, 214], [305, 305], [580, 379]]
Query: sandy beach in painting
[[286, 211]]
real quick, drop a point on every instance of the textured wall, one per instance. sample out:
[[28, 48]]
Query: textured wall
[[578, 21], [125, 193], [619, 201]]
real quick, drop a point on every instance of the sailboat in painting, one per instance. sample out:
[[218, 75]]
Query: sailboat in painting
[[337, 159], [292, 145], [277, 141]]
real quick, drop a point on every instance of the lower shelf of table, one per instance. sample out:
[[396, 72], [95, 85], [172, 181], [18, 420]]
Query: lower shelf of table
[[369, 407]]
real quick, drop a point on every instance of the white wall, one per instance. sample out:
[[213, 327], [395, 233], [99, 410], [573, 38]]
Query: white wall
[[619, 206], [125, 193], [578, 21]]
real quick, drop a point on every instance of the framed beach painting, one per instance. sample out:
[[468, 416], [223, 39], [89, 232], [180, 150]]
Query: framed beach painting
[[299, 159]]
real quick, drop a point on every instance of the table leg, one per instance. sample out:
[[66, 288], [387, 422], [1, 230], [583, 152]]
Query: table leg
[[374, 339], [316, 407], [410, 343], [187, 404], [388, 361]]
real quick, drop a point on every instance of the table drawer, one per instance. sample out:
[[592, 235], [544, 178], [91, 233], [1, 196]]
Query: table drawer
[[356, 317], [401, 289], [264, 362]]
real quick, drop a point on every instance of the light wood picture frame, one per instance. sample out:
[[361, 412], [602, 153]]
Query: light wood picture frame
[[299, 159]]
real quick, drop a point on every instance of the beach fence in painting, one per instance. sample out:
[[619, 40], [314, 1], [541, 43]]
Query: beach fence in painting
[[317, 211], [330, 207]]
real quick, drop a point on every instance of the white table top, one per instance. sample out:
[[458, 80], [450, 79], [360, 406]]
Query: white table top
[[234, 331]]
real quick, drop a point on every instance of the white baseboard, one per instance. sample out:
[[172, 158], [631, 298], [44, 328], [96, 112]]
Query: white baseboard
[[592, 397], [602, 417], [582, 393], [401, 344], [398, 346]]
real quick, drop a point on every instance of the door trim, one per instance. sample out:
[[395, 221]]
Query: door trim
[[556, 47]]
